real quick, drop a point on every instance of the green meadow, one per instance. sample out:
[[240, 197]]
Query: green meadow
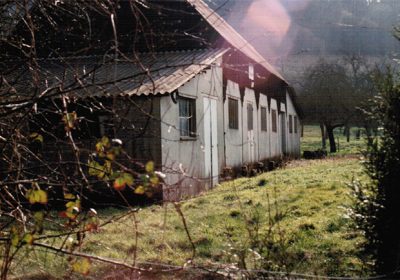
[[294, 220]]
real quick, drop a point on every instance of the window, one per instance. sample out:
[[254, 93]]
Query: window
[[187, 117], [295, 124], [290, 124], [249, 116], [273, 118], [233, 109], [263, 118]]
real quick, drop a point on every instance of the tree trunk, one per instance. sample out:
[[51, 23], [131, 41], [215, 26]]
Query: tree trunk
[[347, 133], [332, 144], [321, 125]]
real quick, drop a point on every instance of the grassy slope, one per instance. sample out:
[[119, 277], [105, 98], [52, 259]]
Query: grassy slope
[[314, 233], [312, 197]]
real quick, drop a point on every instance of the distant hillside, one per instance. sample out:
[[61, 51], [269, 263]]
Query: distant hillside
[[292, 67], [329, 29], [318, 27]]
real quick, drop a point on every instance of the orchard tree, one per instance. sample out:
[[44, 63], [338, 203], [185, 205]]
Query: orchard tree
[[361, 75], [326, 96], [332, 92]]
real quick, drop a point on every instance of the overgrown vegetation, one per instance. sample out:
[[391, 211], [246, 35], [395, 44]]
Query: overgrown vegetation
[[60, 138], [291, 220], [377, 204]]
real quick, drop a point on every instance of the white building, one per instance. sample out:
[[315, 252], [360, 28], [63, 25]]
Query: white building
[[198, 100]]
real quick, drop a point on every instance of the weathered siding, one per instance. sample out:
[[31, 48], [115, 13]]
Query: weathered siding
[[293, 139], [275, 140], [264, 150], [282, 129], [250, 145], [142, 133], [183, 159], [233, 137]]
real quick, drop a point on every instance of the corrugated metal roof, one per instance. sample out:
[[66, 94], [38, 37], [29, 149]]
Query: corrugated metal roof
[[152, 73], [160, 73], [148, 73], [232, 36]]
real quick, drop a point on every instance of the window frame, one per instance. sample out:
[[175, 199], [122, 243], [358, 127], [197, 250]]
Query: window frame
[[295, 124], [188, 116], [264, 119], [274, 124], [233, 113], [250, 120], [290, 123]]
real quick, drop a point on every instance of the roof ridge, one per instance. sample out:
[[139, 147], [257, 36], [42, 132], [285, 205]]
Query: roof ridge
[[112, 56], [233, 37]]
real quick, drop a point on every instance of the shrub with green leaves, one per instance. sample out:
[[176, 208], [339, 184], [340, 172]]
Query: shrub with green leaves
[[378, 204]]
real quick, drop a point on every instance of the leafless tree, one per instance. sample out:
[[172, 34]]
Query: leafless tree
[[59, 128], [332, 92]]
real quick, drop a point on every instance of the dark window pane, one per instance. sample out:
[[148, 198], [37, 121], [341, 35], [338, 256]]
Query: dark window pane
[[249, 116], [290, 124], [263, 119], [233, 110], [273, 119], [187, 117]]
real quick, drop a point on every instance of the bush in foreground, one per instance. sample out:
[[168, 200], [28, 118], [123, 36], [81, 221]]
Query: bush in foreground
[[377, 204]]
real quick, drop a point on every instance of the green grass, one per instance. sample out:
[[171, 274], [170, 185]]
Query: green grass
[[307, 202], [311, 140], [311, 198]]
